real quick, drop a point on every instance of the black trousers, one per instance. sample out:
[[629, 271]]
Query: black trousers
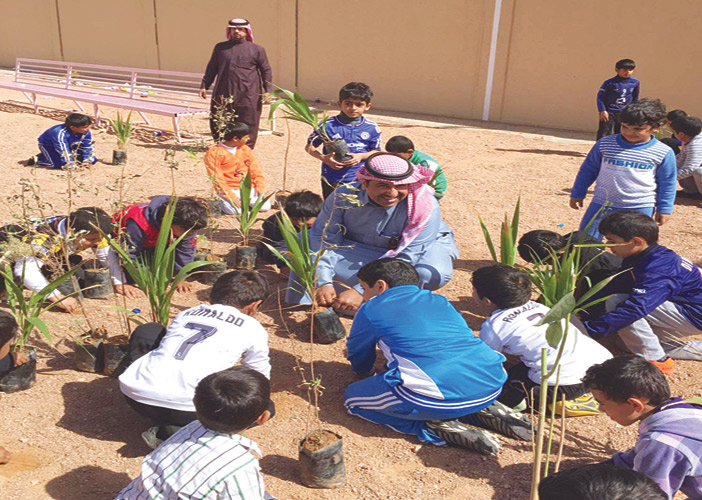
[[144, 339], [609, 127], [329, 187], [519, 385]]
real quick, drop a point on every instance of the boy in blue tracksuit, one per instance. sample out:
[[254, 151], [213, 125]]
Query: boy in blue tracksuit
[[436, 369], [361, 135], [664, 299], [67, 145], [632, 170], [615, 94]]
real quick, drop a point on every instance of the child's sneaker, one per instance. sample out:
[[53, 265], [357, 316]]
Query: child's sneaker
[[465, 436], [667, 366], [583, 406], [32, 161], [500, 418], [149, 437]]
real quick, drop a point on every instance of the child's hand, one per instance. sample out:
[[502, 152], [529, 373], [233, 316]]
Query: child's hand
[[184, 286], [203, 93], [662, 218], [68, 304], [604, 116], [4, 455], [576, 203], [19, 358], [348, 300], [329, 160], [129, 291], [326, 295]]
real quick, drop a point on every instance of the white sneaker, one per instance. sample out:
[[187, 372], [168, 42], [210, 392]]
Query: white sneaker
[[465, 436], [149, 437]]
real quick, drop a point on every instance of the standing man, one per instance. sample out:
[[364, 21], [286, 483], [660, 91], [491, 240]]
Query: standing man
[[243, 76]]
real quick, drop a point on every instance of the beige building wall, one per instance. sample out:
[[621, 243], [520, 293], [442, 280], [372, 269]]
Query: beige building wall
[[29, 28], [421, 57], [416, 56]]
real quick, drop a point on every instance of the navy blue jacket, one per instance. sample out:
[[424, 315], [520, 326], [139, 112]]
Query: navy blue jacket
[[657, 275], [617, 93]]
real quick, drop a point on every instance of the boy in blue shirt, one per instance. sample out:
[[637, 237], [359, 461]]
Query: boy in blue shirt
[[361, 135], [67, 145], [665, 299], [436, 370], [614, 95], [633, 169]]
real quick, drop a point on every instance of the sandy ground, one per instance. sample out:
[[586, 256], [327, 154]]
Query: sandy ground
[[73, 436]]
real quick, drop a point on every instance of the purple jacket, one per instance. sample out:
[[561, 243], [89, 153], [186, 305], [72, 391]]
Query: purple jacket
[[669, 448]]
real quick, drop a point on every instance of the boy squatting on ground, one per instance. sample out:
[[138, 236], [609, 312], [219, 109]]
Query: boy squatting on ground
[[396, 215], [614, 95], [599, 482], [210, 458], [665, 298], [228, 163], [302, 207], [51, 239], [436, 371], [404, 148], [512, 328], [633, 170], [140, 224], [361, 135], [669, 448], [167, 365], [66, 145], [689, 161]]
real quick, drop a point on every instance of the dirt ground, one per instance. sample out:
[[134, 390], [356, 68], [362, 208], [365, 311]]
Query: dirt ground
[[72, 435]]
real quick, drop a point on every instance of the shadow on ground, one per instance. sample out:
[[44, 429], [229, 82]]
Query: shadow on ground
[[87, 483]]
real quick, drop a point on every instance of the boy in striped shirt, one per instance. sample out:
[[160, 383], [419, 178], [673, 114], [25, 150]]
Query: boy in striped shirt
[[210, 458], [633, 170]]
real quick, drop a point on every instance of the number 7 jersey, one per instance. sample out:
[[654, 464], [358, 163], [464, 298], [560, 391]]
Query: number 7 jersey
[[200, 341]]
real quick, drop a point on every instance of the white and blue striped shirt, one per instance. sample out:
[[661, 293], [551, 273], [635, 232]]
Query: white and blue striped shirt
[[629, 175], [199, 463]]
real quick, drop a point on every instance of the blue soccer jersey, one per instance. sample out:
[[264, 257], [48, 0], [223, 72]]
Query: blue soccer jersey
[[361, 137]]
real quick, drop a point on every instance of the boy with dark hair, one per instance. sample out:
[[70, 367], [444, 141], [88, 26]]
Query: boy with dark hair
[[665, 301], [302, 207], [210, 458], [361, 135], [166, 365], [689, 161], [404, 148], [140, 224], [599, 482], [614, 95], [436, 370], [670, 430], [51, 239], [228, 163], [513, 328], [633, 170], [66, 145]]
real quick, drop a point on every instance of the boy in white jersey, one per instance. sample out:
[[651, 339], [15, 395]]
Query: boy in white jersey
[[166, 366], [210, 458], [513, 328], [633, 170]]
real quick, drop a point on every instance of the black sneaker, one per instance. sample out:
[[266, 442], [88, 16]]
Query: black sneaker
[[500, 418], [32, 161], [688, 195], [465, 436]]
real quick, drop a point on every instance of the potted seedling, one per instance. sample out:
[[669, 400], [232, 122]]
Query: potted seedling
[[320, 451], [245, 257], [27, 312], [215, 267], [296, 108], [123, 130]]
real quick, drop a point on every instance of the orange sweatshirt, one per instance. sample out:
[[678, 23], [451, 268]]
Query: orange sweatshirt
[[229, 169]]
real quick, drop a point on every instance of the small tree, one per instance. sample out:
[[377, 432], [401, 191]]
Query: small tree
[[508, 238]]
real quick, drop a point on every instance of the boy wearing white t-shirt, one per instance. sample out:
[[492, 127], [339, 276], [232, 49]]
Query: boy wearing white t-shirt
[[167, 365], [513, 328]]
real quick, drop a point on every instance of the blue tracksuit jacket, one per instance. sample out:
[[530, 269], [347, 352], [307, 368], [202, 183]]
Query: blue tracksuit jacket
[[657, 275], [59, 147]]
